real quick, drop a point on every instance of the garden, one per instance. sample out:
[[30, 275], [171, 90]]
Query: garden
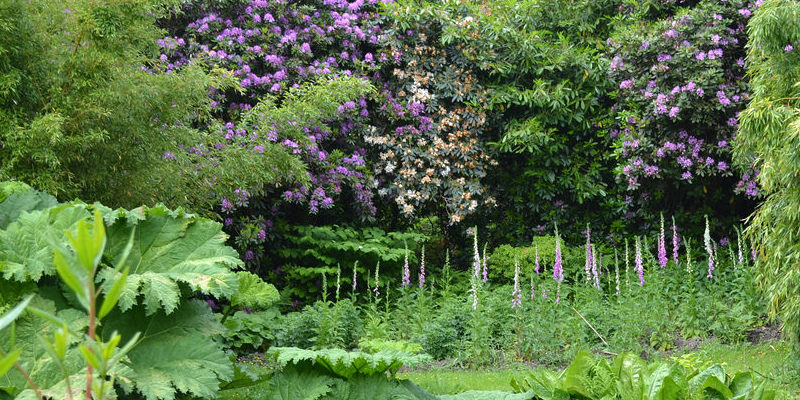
[[399, 199]]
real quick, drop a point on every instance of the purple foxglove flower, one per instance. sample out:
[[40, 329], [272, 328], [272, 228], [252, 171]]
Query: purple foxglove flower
[[588, 264], [739, 245], [594, 268], [376, 289], [533, 289], [709, 249], [675, 241], [516, 300], [406, 271], [355, 273], [422, 269], [536, 260], [662, 246], [476, 263], [558, 272], [638, 262], [485, 265]]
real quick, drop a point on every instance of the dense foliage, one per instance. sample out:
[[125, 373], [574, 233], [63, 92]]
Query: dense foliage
[[471, 183], [681, 84], [170, 255], [769, 133]]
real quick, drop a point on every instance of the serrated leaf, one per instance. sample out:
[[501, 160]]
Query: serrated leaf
[[23, 201], [24, 245], [254, 293], [176, 352], [368, 387], [34, 356], [171, 247], [295, 383]]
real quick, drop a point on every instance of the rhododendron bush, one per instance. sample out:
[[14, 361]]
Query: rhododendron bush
[[405, 145], [681, 85]]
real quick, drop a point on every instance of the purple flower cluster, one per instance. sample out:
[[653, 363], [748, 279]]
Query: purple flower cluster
[[670, 129]]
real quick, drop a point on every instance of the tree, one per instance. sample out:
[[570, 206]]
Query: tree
[[769, 137]]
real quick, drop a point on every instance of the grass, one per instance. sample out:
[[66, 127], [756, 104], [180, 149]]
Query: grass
[[772, 360], [444, 381]]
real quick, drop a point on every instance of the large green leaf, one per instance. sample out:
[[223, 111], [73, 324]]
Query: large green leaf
[[665, 382], [369, 387], [712, 382], [300, 383], [18, 201], [176, 352], [25, 252], [34, 358], [347, 364], [254, 293], [169, 247], [742, 385]]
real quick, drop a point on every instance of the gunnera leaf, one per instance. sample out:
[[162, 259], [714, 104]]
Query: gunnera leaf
[[34, 358], [176, 353], [170, 247], [16, 199], [300, 382], [25, 252]]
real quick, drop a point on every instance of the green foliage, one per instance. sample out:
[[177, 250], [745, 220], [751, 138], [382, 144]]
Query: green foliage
[[54, 364], [77, 106], [246, 332], [167, 256], [769, 134], [25, 252], [170, 247], [254, 293], [503, 257], [158, 263], [348, 364], [337, 374], [255, 161], [629, 377], [322, 325], [17, 197], [176, 352], [488, 395], [311, 250], [540, 79], [375, 345]]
